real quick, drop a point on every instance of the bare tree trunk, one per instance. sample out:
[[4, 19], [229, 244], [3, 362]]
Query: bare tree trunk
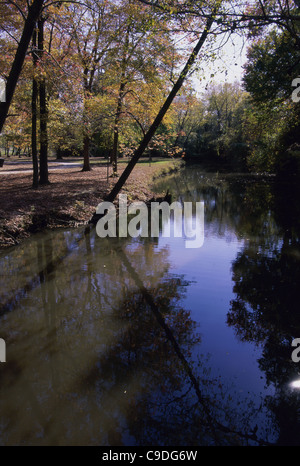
[[43, 135], [114, 155], [59, 154], [35, 178], [43, 113], [30, 22], [86, 139], [86, 154]]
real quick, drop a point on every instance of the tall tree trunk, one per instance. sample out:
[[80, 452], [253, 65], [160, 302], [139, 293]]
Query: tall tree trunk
[[35, 178], [7, 149], [30, 22], [86, 154], [150, 133], [86, 139], [44, 179], [43, 113], [114, 154], [59, 154]]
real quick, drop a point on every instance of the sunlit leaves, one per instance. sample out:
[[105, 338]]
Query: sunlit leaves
[[272, 64]]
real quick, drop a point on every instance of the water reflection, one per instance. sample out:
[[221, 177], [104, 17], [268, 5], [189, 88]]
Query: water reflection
[[266, 276], [265, 309], [103, 349], [99, 349]]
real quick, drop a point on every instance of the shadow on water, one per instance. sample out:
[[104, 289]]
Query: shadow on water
[[102, 348]]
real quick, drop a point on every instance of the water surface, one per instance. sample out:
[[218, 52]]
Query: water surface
[[144, 342]]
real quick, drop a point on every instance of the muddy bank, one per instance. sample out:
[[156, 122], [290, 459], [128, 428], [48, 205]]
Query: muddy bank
[[68, 201]]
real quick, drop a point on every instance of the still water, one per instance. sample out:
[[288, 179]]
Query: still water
[[141, 341]]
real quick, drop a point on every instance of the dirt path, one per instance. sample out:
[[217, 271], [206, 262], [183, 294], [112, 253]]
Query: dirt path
[[16, 166], [68, 201]]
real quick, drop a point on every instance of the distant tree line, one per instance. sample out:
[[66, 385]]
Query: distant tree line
[[91, 78]]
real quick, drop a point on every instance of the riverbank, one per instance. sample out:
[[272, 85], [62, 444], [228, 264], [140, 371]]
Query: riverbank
[[68, 201]]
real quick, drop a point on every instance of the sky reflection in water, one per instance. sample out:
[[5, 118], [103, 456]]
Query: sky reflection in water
[[144, 342]]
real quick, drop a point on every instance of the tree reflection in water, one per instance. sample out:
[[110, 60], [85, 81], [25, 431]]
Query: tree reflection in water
[[102, 351], [180, 403], [265, 213], [265, 310]]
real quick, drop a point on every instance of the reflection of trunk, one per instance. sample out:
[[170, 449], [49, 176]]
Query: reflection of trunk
[[114, 155], [161, 320], [33, 14], [48, 282], [211, 422], [35, 179], [86, 156], [169, 335], [36, 280], [43, 114]]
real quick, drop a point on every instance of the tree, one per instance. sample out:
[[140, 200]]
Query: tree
[[34, 96], [222, 128], [239, 16], [143, 54], [43, 108], [92, 29], [34, 11], [273, 118], [229, 20], [174, 91], [273, 62]]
